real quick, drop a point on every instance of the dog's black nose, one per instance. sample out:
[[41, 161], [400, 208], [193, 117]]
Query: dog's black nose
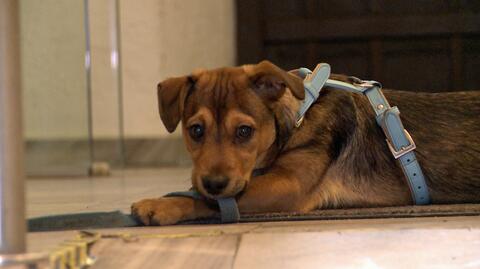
[[215, 185]]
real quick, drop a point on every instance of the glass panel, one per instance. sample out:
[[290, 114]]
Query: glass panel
[[72, 104], [54, 86], [106, 105]]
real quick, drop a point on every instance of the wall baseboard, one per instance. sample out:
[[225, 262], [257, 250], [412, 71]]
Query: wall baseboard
[[72, 157]]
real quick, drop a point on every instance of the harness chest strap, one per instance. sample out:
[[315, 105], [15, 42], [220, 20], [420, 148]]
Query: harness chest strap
[[229, 212]]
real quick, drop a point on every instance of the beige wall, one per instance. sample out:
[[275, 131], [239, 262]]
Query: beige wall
[[53, 76], [162, 38], [159, 38]]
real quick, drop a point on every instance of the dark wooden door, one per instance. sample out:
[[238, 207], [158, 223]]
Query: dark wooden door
[[419, 45]]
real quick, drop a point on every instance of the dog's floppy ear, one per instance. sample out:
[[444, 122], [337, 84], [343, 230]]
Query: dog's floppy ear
[[270, 81], [172, 93]]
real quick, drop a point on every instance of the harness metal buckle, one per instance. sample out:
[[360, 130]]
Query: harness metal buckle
[[404, 149], [366, 84], [299, 122]]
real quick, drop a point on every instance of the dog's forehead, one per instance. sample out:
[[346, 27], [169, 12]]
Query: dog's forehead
[[222, 90], [219, 79]]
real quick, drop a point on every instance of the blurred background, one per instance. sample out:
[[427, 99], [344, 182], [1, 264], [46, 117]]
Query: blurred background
[[419, 45], [90, 70]]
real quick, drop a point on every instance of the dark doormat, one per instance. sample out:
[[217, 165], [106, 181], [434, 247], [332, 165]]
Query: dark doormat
[[371, 213], [117, 219]]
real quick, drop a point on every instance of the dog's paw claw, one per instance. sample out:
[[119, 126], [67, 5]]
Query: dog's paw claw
[[160, 211], [143, 211]]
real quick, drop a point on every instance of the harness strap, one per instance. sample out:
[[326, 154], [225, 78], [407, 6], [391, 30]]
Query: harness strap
[[312, 83], [229, 212], [402, 147], [398, 139], [189, 194]]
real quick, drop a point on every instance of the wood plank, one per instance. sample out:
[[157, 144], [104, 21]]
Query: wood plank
[[369, 225], [211, 245], [471, 62], [371, 26], [423, 7], [284, 9], [249, 31], [341, 8], [424, 61], [287, 56], [376, 59], [432, 248], [44, 241], [202, 252], [456, 45]]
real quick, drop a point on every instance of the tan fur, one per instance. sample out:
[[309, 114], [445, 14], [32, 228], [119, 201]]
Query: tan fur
[[337, 158]]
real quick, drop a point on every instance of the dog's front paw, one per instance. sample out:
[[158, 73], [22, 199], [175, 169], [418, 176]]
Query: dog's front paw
[[162, 211]]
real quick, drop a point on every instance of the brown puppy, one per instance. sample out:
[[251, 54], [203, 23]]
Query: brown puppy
[[235, 120]]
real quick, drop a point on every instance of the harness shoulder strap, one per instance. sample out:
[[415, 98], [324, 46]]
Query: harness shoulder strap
[[313, 82]]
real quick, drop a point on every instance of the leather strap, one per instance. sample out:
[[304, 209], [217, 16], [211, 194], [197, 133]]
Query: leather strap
[[229, 212], [398, 139], [189, 194], [313, 82]]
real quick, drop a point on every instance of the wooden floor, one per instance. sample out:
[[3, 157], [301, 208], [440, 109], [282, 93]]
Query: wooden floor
[[452, 242], [50, 196]]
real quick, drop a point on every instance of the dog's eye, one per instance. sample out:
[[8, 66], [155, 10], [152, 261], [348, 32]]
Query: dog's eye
[[244, 132], [196, 131]]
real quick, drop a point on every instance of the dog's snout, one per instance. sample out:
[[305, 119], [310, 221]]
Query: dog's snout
[[215, 185]]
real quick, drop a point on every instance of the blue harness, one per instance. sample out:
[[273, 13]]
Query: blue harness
[[398, 139]]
